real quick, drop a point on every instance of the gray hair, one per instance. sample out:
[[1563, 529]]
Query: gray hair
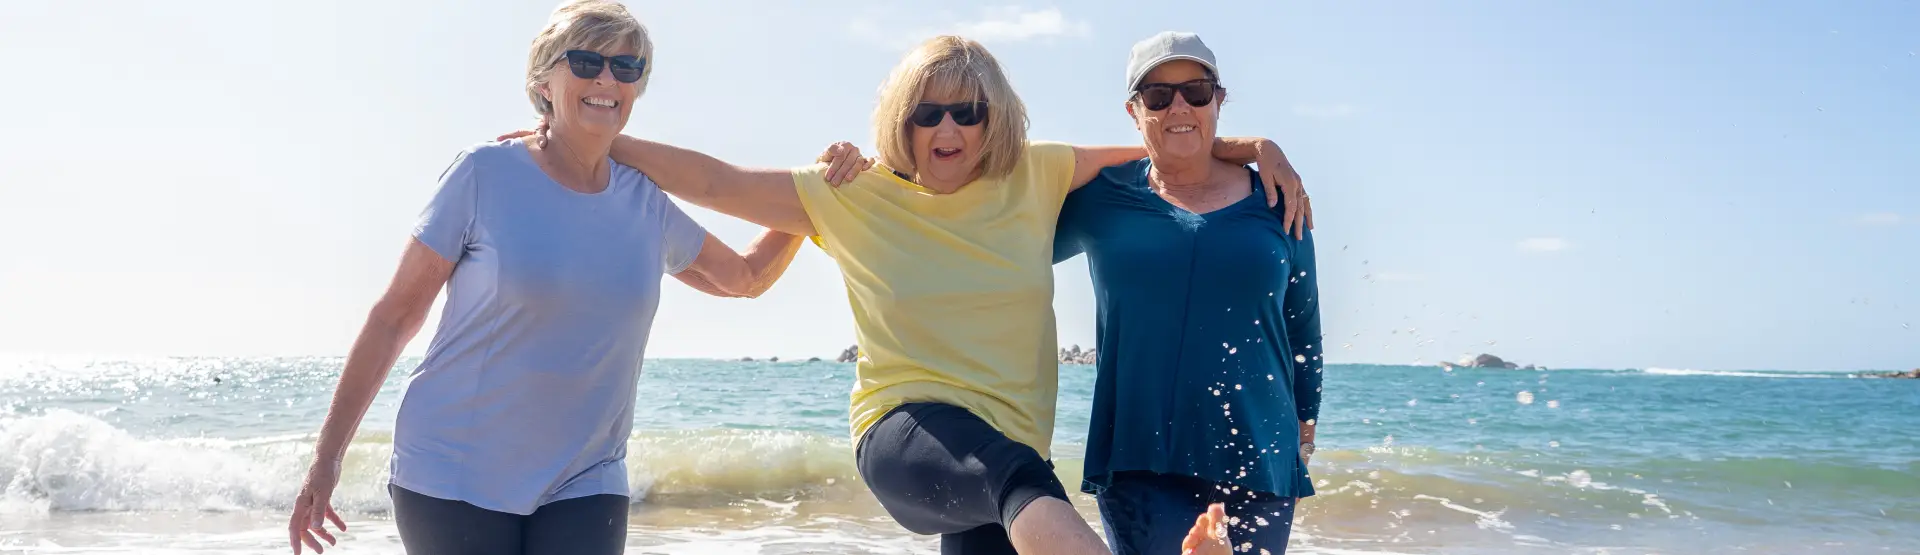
[[599, 25]]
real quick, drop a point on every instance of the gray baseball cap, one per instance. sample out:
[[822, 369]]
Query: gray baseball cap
[[1166, 47]]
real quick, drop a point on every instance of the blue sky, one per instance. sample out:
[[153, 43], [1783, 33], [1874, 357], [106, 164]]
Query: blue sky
[[1599, 184]]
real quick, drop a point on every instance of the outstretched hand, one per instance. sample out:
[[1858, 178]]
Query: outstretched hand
[[843, 163]]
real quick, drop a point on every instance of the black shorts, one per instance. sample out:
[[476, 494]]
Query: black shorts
[[592, 525], [939, 469]]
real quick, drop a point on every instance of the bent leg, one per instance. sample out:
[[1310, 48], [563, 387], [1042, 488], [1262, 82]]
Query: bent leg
[[1050, 525], [434, 526], [940, 469]]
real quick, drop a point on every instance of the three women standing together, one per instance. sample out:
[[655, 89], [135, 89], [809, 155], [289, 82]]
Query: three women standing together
[[511, 436]]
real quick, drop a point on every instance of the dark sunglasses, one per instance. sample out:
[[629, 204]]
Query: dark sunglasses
[[586, 64], [966, 114], [1158, 96]]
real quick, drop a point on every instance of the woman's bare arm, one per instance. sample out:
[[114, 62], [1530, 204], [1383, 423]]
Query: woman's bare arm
[[393, 322], [721, 272], [1276, 172], [762, 196]]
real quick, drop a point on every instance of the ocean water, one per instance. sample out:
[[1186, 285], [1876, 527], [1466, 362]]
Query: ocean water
[[204, 455]]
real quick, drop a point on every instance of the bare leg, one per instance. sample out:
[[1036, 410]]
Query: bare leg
[[1049, 525]]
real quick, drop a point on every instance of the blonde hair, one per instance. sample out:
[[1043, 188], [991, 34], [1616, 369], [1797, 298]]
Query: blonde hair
[[599, 25], [955, 66]]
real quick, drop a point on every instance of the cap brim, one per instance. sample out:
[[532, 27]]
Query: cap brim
[[1162, 61]]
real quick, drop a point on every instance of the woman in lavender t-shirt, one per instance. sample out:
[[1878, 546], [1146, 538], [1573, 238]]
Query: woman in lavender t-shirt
[[511, 435]]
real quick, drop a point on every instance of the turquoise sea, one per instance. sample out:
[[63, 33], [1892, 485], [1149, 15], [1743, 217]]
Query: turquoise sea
[[203, 455]]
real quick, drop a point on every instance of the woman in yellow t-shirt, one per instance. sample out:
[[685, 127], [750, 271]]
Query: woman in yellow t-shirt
[[946, 251]]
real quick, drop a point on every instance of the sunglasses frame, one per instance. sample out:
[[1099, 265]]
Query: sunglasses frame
[[977, 109], [597, 62], [1180, 89]]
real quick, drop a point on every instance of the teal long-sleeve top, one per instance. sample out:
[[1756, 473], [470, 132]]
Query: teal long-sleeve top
[[1208, 332]]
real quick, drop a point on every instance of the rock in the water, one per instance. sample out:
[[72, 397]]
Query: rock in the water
[[813, 359], [1488, 361], [850, 355], [1076, 356], [774, 359], [1913, 374]]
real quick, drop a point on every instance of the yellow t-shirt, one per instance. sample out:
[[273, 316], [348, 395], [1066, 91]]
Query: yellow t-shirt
[[952, 294]]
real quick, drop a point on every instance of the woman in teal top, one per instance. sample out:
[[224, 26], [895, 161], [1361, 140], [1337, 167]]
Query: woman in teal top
[[1208, 325]]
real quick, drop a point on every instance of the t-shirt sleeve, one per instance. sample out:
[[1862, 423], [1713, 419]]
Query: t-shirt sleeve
[[446, 224], [1067, 232], [1052, 167], [817, 198], [680, 236]]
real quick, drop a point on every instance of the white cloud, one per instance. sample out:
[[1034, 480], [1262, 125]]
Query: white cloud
[[994, 25], [1879, 219], [1018, 24], [1325, 111], [1545, 244]]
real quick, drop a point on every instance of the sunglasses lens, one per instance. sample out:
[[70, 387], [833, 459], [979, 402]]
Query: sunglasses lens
[[585, 65], [1156, 98], [627, 69], [969, 115], [1198, 94], [928, 115]]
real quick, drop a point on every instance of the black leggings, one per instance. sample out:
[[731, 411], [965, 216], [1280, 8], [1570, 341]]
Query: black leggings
[[592, 525], [939, 469]]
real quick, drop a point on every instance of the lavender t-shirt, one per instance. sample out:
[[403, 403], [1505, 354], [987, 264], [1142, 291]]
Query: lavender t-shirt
[[526, 394]]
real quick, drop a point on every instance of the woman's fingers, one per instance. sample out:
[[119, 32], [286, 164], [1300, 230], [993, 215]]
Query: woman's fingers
[[297, 524], [338, 522]]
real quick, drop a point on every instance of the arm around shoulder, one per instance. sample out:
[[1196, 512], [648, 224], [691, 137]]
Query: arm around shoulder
[[721, 272], [762, 196]]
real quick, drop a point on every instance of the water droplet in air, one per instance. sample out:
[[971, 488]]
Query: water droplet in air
[[1789, 485], [1269, 377], [1232, 350], [1256, 322], [1300, 358], [1524, 397], [1236, 387], [1234, 431], [1312, 421]]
